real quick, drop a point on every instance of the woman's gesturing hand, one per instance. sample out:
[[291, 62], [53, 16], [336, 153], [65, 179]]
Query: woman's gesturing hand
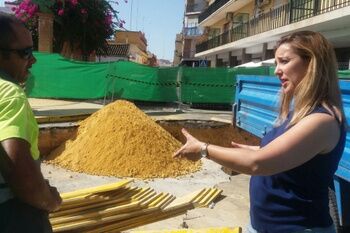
[[191, 149]]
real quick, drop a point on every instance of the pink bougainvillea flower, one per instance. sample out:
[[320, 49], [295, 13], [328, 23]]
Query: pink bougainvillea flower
[[83, 11], [102, 17], [74, 2], [32, 10], [60, 12]]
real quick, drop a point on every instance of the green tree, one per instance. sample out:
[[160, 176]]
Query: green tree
[[81, 26]]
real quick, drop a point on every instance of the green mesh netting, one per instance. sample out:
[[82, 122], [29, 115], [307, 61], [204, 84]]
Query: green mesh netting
[[207, 85], [56, 77], [133, 81], [344, 74]]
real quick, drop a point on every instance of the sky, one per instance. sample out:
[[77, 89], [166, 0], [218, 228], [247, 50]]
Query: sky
[[160, 20]]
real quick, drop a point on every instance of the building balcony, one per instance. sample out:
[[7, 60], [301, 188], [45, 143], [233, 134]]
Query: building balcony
[[220, 9], [211, 9], [287, 14], [192, 31], [193, 8]]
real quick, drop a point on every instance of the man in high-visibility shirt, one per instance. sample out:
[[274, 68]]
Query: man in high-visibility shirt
[[25, 196]]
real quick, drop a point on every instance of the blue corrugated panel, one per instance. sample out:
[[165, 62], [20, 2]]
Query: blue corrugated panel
[[257, 100], [257, 103], [344, 165]]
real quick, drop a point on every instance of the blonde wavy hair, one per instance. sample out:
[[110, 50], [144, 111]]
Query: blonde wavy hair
[[320, 83]]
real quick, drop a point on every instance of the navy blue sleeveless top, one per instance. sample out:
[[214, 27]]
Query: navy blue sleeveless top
[[298, 198]]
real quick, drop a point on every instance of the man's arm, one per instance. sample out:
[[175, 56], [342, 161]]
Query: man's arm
[[24, 177]]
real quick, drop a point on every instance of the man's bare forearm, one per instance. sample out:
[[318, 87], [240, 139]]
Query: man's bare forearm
[[24, 177]]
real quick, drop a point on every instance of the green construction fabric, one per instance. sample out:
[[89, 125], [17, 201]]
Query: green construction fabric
[[207, 85], [344, 74], [213, 85], [139, 82], [263, 70], [56, 77]]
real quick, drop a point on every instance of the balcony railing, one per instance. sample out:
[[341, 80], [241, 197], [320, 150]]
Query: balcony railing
[[275, 18], [192, 31], [211, 9], [343, 65], [194, 8]]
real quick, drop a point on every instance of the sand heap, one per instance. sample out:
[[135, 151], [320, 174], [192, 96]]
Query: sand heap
[[120, 140]]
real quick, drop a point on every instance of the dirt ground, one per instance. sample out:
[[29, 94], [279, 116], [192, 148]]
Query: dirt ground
[[230, 210]]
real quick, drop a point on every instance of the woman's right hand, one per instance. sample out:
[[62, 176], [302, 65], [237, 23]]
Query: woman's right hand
[[191, 149]]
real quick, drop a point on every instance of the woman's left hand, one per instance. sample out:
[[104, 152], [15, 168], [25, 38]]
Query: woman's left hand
[[191, 149]]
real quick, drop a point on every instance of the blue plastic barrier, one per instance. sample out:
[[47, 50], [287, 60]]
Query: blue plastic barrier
[[256, 109]]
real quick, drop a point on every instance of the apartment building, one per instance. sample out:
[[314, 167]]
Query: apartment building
[[192, 33], [240, 31], [137, 43], [178, 50]]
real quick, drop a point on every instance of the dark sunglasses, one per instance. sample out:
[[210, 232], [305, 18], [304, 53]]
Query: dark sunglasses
[[25, 53]]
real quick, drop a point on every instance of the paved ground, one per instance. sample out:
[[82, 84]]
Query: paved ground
[[231, 211]]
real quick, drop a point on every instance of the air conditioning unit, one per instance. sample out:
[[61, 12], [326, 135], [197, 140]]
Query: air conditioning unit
[[229, 16]]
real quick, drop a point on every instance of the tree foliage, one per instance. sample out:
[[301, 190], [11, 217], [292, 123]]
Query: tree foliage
[[84, 24]]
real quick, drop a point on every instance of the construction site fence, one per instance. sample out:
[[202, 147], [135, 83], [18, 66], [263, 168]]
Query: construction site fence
[[56, 77]]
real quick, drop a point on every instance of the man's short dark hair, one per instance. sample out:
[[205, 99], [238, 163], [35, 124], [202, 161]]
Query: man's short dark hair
[[7, 32]]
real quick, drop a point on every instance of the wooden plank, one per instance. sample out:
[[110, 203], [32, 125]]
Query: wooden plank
[[207, 197], [108, 211], [124, 194], [213, 197], [184, 201], [103, 220], [93, 190], [138, 221], [203, 230]]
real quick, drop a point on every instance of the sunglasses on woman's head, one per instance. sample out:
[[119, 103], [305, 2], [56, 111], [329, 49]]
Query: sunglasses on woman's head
[[25, 53]]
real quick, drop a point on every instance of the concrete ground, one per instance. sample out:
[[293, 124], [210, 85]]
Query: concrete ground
[[232, 208]]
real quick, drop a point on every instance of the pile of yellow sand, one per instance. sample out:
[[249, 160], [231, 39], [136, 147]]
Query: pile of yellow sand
[[120, 140]]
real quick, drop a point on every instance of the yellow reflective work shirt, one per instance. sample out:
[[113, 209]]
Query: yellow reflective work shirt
[[16, 116]]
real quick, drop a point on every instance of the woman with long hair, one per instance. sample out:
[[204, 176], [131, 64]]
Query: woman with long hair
[[295, 163]]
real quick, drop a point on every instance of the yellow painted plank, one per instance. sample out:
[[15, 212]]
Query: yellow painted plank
[[147, 203], [213, 197], [150, 219], [103, 195], [96, 204], [130, 207], [64, 118], [146, 198], [93, 206], [93, 190], [201, 195], [166, 200], [96, 213], [97, 201], [147, 194], [204, 230], [138, 221], [183, 201], [102, 220], [207, 197], [142, 192]]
